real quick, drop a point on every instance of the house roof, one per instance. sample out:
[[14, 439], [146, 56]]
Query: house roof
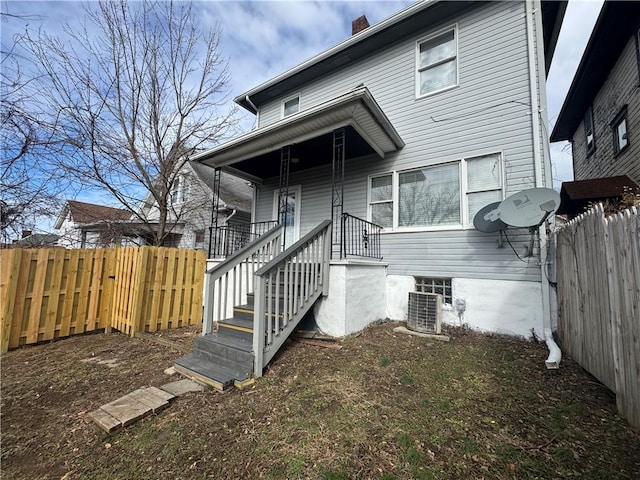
[[234, 192], [615, 25], [369, 131], [82, 212], [37, 240], [575, 196], [393, 29]]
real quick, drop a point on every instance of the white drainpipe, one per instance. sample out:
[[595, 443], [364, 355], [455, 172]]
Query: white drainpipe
[[532, 8]]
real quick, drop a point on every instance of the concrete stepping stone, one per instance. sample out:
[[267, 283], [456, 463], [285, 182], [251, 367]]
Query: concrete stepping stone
[[181, 387], [130, 408]]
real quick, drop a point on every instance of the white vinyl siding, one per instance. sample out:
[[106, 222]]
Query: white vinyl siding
[[488, 112], [437, 62]]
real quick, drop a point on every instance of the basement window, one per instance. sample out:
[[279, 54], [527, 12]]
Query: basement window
[[440, 286]]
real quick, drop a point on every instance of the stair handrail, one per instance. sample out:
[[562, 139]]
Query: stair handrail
[[312, 255], [253, 256]]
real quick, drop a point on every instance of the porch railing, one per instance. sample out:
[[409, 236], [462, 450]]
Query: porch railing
[[359, 238], [227, 284], [228, 239], [286, 288]]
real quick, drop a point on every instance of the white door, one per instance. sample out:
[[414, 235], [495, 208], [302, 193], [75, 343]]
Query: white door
[[292, 222]]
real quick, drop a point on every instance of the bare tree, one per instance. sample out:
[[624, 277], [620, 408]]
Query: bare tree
[[30, 183], [135, 90]]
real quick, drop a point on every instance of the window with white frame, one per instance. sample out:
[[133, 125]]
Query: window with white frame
[[381, 200], [429, 197], [181, 189], [437, 62], [291, 106], [441, 196], [589, 135], [620, 134], [484, 182]]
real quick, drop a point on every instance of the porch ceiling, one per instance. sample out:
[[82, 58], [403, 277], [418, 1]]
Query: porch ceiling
[[309, 134]]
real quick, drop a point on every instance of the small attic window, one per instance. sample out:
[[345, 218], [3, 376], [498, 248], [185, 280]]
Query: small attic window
[[291, 106]]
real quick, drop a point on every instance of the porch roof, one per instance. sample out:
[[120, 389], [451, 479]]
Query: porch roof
[[308, 132]]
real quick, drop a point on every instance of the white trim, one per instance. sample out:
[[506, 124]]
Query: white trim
[[288, 99], [466, 223], [419, 69]]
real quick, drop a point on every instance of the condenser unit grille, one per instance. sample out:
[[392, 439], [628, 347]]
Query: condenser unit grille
[[425, 312]]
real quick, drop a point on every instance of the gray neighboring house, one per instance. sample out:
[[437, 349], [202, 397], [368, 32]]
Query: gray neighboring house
[[601, 113], [191, 222], [413, 124]]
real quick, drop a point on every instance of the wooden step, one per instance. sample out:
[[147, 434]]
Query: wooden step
[[199, 367]]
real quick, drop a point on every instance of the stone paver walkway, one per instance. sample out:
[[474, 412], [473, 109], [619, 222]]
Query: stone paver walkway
[[140, 403]]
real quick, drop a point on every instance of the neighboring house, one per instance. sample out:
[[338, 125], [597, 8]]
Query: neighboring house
[[86, 225], [601, 114], [190, 220], [35, 240], [413, 124]]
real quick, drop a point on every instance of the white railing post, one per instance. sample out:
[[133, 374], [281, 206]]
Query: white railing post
[[326, 258], [207, 321], [258, 325]]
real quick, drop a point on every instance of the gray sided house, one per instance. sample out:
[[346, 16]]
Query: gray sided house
[[200, 200], [601, 113], [392, 140]]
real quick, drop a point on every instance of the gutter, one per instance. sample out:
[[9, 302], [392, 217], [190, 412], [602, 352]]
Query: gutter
[[533, 7]]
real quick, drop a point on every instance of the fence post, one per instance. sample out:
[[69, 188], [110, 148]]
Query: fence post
[[9, 271], [137, 289]]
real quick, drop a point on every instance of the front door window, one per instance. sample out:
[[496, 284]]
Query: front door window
[[291, 219]]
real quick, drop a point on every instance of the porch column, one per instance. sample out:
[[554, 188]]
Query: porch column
[[215, 205], [337, 188], [283, 192]]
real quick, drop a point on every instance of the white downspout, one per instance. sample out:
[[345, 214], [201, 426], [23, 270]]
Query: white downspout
[[535, 40]]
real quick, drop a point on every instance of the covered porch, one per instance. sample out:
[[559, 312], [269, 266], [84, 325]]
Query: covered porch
[[266, 278], [308, 148]]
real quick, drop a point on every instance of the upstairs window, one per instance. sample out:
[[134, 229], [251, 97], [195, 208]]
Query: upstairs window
[[589, 135], [437, 63], [620, 134], [291, 106]]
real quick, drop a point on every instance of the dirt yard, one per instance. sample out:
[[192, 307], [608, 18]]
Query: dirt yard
[[385, 406]]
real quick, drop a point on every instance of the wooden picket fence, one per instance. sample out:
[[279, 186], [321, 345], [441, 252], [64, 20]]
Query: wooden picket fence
[[598, 273], [51, 293]]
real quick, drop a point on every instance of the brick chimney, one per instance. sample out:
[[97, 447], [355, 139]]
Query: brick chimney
[[359, 24]]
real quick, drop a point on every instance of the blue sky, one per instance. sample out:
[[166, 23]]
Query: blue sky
[[264, 38]]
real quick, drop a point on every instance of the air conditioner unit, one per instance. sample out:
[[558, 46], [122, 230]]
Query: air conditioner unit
[[425, 312]]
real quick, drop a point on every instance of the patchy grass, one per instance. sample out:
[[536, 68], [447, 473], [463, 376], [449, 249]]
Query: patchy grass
[[386, 406]]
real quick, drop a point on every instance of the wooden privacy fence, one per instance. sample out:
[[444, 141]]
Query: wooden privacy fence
[[598, 272], [51, 293]]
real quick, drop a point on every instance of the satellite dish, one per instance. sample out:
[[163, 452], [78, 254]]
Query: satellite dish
[[529, 208], [487, 219]]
